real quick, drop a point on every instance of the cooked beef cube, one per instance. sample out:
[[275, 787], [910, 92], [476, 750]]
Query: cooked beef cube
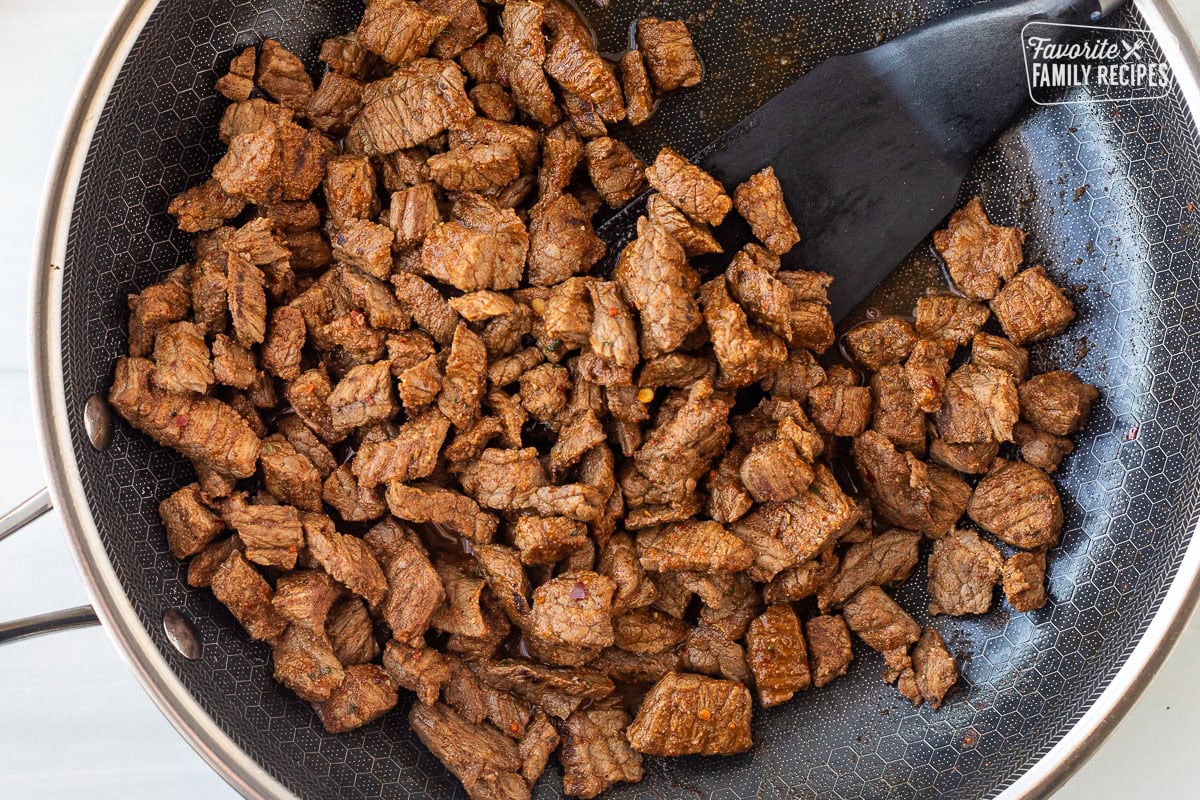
[[310, 250], [427, 306], [420, 384], [305, 597], [675, 370], [335, 103], [618, 561], [485, 760], [884, 560], [562, 241], [492, 101], [688, 714], [238, 83], [414, 590], [464, 379], [840, 410], [795, 378], [398, 30], [209, 302], [828, 647], [696, 237], [283, 342], [181, 360], [250, 115], [760, 202], [457, 513], [505, 371], [504, 336], [522, 21], [689, 188], [897, 483], [307, 395], [306, 442], [477, 701], [547, 540], [289, 475], [636, 668], [275, 162], [575, 609], [530, 87], [291, 216], [558, 691], [247, 596], [245, 408], [190, 524], [363, 396], [804, 580], [511, 415], [484, 247], [232, 364], [204, 207], [616, 172], [896, 413], [366, 694], [1024, 576], [775, 471], [613, 336], [595, 754], [462, 613], [352, 502], [540, 741], [812, 325], [412, 105], [925, 373], [544, 391], [809, 522], [413, 214], [950, 318], [469, 444], [351, 632], [701, 546], [979, 255], [578, 68], [1031, 307], [884, 626], [420, 669], [404, 168], [350, 190], [247, 300], [346, 54], [671, 57], [474, 169], [744, 353], [408, 349], [881, 342], [345, 558], [1056, 402], [505, 576], [635, 82], [562, 153], [949, 495], [207, 431], [1018, 504], [483, 305], [972, 458], [963, 572], [648, 631], [712, 652], [654, 275], [980, 405], [467, 24], [306, 664], [366, 245], [999, 353], [1043, 450], [281, 75], [483, 61], [576, 437]]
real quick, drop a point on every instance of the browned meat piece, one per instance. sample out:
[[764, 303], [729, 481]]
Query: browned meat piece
[[351, 632], [897, 483], [935, 670], [562, 241], [972, 458], [1055, 402], [207, 431], [540, 741], [575, 609], [777, 655], [306, 442], [366, 245], [884, 626], [595, 754], [618, 561], [1024, 576], [881, 342], [483, 247], [635, 668], [419, 669], [483, 305], [345, 558], [547, 540], [562, 153], [238, 83], [775, 471], [459, 514], [464, 379], [190, 524], [483, 61], [409, 349], [925, 373], [578, 68], [616, 172], [884, 560], [949, 495], [410, 455], [1031, 307], [1043, 450], [493, 101], [505, 371], [209, 302], [281, 75], [504, 336], [522, 21], [485, 760], [997, 352], [306, 664], [613, 336], [204, 564], [795, 378], [363, 396], [412, 105], [810, 521], [420, 384], [980, 405], [675, 370], [462, 613], [577, 437], [531, 90], [670, 55], [812, 325], [366, 694], [274, 162], [760, 202], [896, 414], [310, 250], [232, 364], [427, 306], [700, 546], [335, 103], [802, 581], [767, 300], [639, 96], [744, 353], [181, 362], [247, 300], [689, 188], [467, 24], [289, 475], [474, 169], [413, 214], [648, 631], [414, 589], [250, 115], [558, 691], [1018, 504], [506, 578], [305, 597], [963, 572], [247, 596], [477, 701], [204, 207], [691, 715], [840, 410], [655, 277], [711, 652], [398, 30], [292, 216], [828, 647], [544, 391], [352, 502], [979, 255], [950, 318], [696, 237], [345, 54]]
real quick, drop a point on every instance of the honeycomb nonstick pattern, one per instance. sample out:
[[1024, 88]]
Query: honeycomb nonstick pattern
[[1124, 243]]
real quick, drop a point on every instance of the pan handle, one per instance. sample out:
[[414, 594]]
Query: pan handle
[[83, 616]]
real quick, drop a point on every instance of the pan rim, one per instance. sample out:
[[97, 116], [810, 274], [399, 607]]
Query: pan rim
[[133, 642]]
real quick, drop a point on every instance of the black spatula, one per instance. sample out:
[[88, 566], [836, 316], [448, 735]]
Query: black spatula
[[871, 148]]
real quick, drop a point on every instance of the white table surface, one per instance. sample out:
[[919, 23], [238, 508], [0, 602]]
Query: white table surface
[[73, 721]]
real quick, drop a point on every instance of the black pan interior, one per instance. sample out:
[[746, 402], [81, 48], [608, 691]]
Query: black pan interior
[[1125, 245]]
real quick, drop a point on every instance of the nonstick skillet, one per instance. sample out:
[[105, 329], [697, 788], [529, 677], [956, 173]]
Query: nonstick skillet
[[1106, 191]]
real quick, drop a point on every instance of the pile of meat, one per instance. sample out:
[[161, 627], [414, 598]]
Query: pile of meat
[[568, 513]]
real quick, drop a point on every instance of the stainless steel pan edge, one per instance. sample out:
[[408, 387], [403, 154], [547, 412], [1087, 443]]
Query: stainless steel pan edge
[[117, 613]]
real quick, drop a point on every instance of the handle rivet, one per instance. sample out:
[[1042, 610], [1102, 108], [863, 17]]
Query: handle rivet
[[97, 422], [182, 634]]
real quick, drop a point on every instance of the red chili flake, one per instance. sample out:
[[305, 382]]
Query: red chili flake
[[933, 384], [1131, 434], [612, 312], [182, 421], [1191, 207], [579, 591], [870, 476]]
